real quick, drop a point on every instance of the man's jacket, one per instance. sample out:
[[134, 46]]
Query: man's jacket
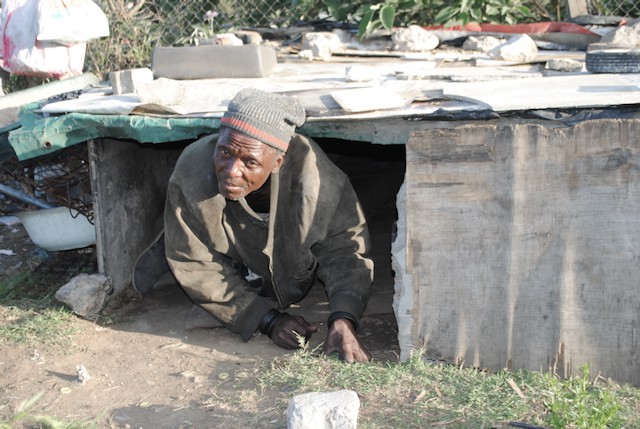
[[315, 219]]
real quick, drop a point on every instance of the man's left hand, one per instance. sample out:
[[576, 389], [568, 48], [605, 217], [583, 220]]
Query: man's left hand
[[342, 338]]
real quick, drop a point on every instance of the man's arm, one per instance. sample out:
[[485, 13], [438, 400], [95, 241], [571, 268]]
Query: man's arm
[[208, 277], [347, 273]]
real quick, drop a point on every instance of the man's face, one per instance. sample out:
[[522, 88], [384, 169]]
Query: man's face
[[243, 163]]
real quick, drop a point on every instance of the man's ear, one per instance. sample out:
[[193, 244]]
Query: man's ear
[[279, 160]]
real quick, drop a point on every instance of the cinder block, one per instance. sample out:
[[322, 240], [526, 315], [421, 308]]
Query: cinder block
[[125, 81], [213, 61]]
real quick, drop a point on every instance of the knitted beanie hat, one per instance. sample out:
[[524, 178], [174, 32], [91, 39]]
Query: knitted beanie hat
[[270, 118]]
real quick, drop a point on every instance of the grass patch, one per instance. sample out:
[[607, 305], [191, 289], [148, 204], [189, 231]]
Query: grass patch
[[418, 393], [50, 327], [30, 314]]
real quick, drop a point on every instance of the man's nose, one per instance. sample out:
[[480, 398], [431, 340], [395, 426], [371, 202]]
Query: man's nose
[[234, 167]]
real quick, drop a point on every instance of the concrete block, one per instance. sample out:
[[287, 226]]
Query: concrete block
[[214, 61], [126, 81], [324, 410]]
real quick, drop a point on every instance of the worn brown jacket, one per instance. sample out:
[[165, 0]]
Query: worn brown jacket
[[314, 215]]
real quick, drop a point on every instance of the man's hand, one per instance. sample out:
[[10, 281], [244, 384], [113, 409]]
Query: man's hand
[[342, 338], [286, 327]]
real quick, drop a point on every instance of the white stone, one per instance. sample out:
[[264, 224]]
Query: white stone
[[86, 294], [326, 39], [306, 54], [228, 39], [481, 43], [321, 44], [324, 410], [361, 74], [414, 39], [126, 81], [518, 49], [565, 65], [321, 50], [624, 36]]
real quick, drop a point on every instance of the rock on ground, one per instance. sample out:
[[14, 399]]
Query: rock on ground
[[518, 49], [624, 36], [481, 43], [86, 294], [324, 410], [414, 39]]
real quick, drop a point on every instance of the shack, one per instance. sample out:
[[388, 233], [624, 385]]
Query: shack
[[515, 238]]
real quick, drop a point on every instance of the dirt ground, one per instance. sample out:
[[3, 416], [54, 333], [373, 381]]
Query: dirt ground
[[146, 370]]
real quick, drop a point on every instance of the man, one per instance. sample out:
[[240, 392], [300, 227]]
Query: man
[[256, 215]]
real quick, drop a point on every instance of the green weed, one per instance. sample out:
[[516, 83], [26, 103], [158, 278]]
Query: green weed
[[419, 393], [578, 403]]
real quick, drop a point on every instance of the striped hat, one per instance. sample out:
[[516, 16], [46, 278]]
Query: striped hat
[[270, 118]]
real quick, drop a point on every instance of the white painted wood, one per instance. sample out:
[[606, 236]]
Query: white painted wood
[[524, 240]]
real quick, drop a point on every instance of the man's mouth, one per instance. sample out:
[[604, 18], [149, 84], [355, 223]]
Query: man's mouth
[[231, 185], [231, 190]]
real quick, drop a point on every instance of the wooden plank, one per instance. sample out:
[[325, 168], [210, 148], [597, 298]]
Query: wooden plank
[[525, 238], [577, 8], [129, 182]]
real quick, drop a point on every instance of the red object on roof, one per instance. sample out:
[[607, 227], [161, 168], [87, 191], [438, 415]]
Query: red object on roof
[[534, 28]]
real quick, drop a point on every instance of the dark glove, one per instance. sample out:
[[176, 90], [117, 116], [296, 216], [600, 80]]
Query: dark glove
[[282, 328]]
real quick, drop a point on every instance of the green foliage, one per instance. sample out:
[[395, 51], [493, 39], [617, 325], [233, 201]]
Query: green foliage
[[372, 16], [134, 30], [492, 11], [577, 403]]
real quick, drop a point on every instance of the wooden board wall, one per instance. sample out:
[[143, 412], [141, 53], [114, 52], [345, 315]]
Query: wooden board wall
[[524, 245], [129, 184]]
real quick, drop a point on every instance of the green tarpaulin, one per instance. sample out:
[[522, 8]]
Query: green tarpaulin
[[39, 135]]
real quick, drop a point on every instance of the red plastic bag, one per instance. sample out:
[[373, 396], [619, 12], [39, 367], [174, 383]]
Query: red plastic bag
[[22, 54]]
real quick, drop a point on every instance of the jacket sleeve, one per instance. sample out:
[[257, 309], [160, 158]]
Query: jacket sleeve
[[344, 265], [208, 277]]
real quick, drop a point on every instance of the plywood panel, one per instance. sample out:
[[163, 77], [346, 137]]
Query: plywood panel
[[524, 238], [129, 183]]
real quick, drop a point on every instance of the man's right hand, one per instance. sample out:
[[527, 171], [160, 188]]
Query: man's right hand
[[285, 329]]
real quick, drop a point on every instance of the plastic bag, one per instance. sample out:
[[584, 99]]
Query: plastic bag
[[22, 54], [70, 21]]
